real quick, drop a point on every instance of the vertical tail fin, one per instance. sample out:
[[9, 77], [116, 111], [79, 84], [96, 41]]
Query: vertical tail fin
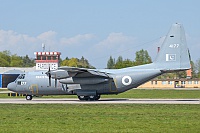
[[173, 54]]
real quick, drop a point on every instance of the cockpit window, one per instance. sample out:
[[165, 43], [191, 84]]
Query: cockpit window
[[21, 76]]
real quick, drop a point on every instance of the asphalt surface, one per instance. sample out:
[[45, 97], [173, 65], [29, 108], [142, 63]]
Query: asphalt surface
[[101, 101]]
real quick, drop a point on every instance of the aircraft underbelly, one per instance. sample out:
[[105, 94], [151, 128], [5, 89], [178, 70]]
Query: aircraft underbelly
[[102, 88]]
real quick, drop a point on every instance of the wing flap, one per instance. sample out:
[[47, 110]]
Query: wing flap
[[84, 72]]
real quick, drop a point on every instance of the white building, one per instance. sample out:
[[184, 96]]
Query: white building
[[44, 60]]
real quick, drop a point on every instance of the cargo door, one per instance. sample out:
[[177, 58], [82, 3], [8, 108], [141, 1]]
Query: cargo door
[[34, 89]]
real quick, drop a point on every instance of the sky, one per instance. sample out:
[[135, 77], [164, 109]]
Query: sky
[[95, 29]]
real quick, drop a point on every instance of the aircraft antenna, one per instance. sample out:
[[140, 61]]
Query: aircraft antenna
[[43, 47]]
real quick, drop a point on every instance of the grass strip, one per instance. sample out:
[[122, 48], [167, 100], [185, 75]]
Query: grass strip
[[75, 118]]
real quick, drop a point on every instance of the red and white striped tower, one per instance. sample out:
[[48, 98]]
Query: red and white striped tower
[[44, 60]]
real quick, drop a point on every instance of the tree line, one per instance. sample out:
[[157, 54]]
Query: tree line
[[75, 62], [196, 68], [9, 60], [141, 57]]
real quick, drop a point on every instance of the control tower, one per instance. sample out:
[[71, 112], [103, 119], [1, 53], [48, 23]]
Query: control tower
[[44, 60]]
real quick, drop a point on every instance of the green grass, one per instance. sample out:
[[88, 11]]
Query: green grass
[[73, 118], [140, 93], [157, 93], [104, 118]]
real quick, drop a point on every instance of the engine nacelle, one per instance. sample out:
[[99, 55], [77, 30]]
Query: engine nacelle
[[59, 74]]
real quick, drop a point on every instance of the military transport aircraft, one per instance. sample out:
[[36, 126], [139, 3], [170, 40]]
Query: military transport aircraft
[[90, 84]]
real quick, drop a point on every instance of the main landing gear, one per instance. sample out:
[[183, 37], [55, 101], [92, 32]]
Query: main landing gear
[[89, 98], [29, 97], [82, 98]]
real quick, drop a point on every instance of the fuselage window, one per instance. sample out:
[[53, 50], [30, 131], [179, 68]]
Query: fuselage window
[[18, 82]]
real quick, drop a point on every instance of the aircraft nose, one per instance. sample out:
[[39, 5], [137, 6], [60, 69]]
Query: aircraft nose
[[11, 86]]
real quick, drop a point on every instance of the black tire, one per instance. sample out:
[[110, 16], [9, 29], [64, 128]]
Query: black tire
[[92, 98], [87, 98], [97, 97], [29, 97], [81, 98]]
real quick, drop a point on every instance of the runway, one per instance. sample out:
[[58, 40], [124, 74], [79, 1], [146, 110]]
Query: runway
[[101, 101]]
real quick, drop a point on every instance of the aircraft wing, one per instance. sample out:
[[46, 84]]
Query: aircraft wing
[[83, 72]]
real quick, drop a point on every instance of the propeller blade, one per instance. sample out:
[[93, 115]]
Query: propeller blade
[[49, 75], [49, 79], [55, 82], [49, 69]]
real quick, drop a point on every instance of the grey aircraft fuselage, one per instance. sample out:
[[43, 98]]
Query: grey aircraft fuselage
[[37, 83], [89, 84]]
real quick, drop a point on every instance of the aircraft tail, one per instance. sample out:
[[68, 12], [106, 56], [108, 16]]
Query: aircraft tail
[[173, 54]]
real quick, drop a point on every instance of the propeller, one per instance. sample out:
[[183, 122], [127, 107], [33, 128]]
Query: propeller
[[48, 73]]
